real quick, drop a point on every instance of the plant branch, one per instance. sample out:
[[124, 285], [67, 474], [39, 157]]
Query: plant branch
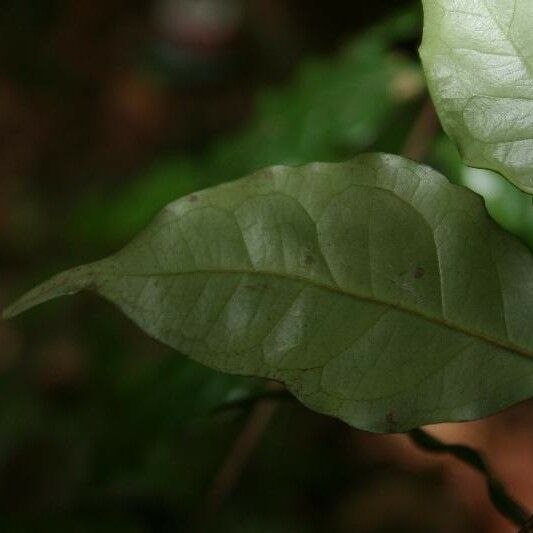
[[501, 500], [422, 133], [273, 394], [505, 505], [242, 449]]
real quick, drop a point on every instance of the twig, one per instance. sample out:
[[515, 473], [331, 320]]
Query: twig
[[238, 456], [508, 507], [279, 393], [242, 449], [422, 133], [226, 477]]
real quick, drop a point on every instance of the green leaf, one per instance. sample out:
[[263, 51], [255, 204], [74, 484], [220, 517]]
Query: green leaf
[[478, 58], [377, 291]]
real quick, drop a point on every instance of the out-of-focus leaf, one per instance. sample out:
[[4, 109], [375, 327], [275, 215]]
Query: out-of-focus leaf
[[375, 290], [102, 219], [332, 109], [478, 58], [174, 394]]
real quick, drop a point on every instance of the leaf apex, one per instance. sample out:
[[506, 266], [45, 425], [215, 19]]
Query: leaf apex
[[66, 283], [9, 312]]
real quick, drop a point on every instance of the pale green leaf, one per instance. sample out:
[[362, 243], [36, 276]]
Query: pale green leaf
[[377, 291], [478, 58]]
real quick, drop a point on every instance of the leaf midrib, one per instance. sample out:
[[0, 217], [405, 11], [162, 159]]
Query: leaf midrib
[[510, 347]]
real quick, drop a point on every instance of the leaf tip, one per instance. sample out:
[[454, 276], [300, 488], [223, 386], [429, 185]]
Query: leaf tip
[[69, 282], [10, 312]]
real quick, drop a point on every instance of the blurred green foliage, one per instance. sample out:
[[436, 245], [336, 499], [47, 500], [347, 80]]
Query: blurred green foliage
[[331, 110]]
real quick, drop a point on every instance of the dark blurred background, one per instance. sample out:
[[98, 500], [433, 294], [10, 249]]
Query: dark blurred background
[[110, 109]]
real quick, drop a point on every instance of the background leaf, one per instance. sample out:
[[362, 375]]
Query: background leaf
[[477, 55], [375, 290], [331, 109]]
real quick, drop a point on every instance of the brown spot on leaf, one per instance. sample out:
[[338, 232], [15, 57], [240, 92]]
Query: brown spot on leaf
[[419, 273], [193, 198]]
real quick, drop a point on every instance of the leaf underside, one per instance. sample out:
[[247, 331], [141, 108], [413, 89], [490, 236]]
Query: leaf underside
[[377, 291], [478, 58]]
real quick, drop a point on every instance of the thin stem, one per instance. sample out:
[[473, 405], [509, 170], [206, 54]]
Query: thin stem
[[239, 454], [422, 133], [501, 500], [241, 451], [250, 401]]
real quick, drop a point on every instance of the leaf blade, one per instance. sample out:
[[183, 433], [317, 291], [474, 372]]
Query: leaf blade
[[351, 283], [478, 59]]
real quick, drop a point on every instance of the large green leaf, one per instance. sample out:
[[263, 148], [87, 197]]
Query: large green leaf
[[377, 291], [478, 57]]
